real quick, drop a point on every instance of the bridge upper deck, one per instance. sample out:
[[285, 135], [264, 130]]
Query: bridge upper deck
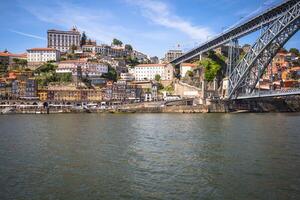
[[249, 26]]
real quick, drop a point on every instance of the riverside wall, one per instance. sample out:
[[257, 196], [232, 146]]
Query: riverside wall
[[279, 104]]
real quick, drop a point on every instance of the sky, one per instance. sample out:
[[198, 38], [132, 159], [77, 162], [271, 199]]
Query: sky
[[151, 26]]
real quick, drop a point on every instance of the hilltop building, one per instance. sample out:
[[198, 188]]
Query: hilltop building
[[172, 54], [63, 40]]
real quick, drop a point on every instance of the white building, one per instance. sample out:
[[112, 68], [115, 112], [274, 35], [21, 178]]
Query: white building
[[185, 67], [103, 50], [90, 69], [39, 55], [148, 71], [88, 48]]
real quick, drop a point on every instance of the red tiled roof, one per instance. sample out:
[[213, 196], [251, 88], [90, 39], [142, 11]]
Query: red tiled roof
[[4, 54], [88, 45], [73, 61], [41, 49], [188, 64], [22, 55], [295, 69]]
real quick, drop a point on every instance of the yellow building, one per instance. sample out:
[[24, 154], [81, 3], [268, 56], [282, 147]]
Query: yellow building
[[73, 93], [42, 94]]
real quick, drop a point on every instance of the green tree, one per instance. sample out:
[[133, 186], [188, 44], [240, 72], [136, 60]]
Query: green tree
[[214, 65], [73, 48], [128, 47], [3, 68], [157, 77], [295, 51], [132, 61], [111, 74], [211, 68], [117, 42], [83, 39], [64, 77], [46, 68], [20, 63], [89, 41], [190, 73]]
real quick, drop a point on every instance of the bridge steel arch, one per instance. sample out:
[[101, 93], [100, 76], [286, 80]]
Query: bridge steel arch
[[247, 73], [251, 25]]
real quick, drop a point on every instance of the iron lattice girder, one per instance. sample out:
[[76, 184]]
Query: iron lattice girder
[[264, 50], [238, 31]]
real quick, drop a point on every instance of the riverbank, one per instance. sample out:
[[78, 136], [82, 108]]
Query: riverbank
[[282, 104]]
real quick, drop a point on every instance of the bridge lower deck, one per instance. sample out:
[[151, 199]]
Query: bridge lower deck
[[273, 93]]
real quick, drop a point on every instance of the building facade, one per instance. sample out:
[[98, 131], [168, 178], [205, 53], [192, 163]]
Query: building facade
[[31, 88], [24, 89], [154, 60], [185, 67], [127, 76], [142, 58], [144, 72], [71, 93], [122, 91], [172, 54], [63, 40], [88, 69], [40, 55], [4, 62]]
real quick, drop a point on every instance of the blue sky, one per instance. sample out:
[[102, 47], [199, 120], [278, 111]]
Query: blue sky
[[151, 26]]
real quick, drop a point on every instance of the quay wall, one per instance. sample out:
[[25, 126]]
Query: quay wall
[[279, 104]]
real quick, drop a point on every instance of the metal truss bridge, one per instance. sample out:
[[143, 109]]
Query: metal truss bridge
[[271, 93], [277, 24]]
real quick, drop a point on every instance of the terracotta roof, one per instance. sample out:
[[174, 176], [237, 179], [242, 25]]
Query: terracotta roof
[[22, 55], [4, 54], [73, 61], [188, 64], [295, 69], [88, 45], [151, 65], [41, 49]]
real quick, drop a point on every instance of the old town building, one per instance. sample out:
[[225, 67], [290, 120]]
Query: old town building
[[144, 72], [63, 40], [40, 55]]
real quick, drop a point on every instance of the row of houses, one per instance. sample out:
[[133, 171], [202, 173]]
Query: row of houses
[[18, 85], [117, 92], [22, 85]]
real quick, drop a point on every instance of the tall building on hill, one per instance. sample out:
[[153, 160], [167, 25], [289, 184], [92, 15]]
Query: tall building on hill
[[63, 40], [172, 54]]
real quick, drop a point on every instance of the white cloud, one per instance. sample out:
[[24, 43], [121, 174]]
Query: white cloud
[[95, 22], [160, 13], [28, 35]]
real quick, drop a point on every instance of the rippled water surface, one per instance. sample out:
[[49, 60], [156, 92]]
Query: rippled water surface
[[150, 156]]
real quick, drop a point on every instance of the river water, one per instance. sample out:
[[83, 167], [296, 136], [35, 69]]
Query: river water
[[150, 156]]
